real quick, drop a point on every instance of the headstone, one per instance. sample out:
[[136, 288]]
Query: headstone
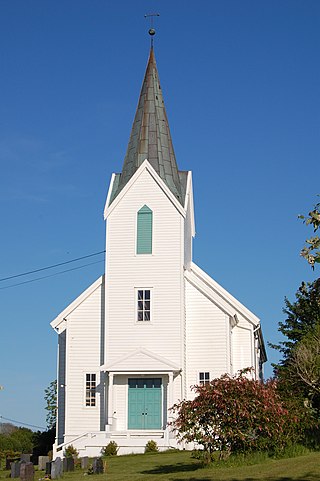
[[97, 466], [27, 472], [42, 462], [84, 462], [25, 457], [48, 468], [15, 469], [9, 461], [68, 464], [56, 469]]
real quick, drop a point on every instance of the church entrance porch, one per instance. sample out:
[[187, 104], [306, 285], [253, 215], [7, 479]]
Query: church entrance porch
[[144, 403]]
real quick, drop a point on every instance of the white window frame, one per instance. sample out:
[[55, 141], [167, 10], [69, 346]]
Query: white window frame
[[203, 378], [91, 390], [137, 300]]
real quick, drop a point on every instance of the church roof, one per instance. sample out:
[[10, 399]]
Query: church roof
[[150, 138]]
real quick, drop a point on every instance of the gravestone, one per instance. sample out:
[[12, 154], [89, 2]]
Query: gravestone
[[25, 457], [68, 464], [27, 472], [42, 462], [48, 467], [97, 466], [15, 469], [84, 462], [9, 461], [56, 469]]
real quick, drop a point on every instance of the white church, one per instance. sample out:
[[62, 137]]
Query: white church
[[155, 323]]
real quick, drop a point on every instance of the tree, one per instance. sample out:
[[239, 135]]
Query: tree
[[302, 316], [43, 442], [298, 370], [311, 251], [232, 414], [19, 440], [50, 396], [305, 361]]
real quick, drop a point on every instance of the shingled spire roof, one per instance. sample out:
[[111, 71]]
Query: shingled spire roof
[[150, 137]]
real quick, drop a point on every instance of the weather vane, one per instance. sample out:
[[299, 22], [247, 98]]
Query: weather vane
[[151, 29]]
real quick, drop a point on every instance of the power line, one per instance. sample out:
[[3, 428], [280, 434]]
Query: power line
[[50, 275], [52, 266], [23, 424]]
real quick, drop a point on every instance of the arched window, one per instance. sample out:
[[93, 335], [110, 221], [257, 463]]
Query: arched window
[[144, 231]]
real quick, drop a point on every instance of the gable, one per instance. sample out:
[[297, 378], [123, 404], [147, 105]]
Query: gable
[[141, 360], [145, 166], [219, 296], [59, 323]]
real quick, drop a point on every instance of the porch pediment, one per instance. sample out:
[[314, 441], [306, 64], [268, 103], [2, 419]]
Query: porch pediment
[[141, 360]]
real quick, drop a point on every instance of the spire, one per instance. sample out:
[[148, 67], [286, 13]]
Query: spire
[[150, 136]]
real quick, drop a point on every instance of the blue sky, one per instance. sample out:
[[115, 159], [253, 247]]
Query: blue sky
[[241, 86]]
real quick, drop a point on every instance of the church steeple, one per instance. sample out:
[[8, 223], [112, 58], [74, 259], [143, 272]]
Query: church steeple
[[150, 136]]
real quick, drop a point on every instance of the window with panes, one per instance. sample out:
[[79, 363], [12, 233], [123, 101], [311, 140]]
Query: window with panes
[[204, 378], [143, 305], [91, 385]]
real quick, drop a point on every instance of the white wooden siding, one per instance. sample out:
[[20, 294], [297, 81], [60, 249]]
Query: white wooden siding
[[206, 337], [242, 346], [84, 326], [120, 403], [188, 238], [61, 383], [162, 271]]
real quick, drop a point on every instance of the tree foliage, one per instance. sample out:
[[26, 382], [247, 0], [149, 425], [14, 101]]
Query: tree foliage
[[232, 414], [16, 440], [50, 396], [302, 316], [305, 360], [71, 452], [311, 251], [298, 369], [43, 442]]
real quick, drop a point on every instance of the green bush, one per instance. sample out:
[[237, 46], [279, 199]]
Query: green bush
[[71, 452], [110, 450], [151, 447], [235, 415]]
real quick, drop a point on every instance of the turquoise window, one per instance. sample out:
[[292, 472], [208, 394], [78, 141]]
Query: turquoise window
[[144, 231]]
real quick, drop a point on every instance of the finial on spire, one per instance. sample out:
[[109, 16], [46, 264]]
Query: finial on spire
[[152, 31]]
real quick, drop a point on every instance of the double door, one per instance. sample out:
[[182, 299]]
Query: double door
[[144, 403]]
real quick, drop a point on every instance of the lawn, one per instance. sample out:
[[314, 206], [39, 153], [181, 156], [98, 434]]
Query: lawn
[[182, 467]]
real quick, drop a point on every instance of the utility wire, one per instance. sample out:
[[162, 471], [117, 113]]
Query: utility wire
[[51, 275], [52, 266], [23, 424]]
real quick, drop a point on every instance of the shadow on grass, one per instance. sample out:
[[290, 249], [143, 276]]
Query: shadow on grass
[[307, 477], [200, 479], [173, 468]]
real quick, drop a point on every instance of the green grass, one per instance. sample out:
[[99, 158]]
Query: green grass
[[180, 466]]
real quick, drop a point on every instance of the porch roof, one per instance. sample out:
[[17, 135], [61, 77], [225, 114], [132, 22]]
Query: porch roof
[[141, 360]]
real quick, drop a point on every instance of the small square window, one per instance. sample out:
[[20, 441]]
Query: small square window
[[204, 378]]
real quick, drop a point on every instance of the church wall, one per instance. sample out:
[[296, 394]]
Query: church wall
[[188, 239], [160, 271], [120, 390], [83, 347], [61, 382], [242, 346], [207, 332]]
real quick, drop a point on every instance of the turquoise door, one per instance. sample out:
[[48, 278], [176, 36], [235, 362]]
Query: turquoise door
[[144, 403]]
